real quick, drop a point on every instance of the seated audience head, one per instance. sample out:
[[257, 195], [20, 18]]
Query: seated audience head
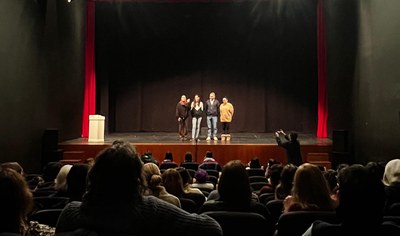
[[152, 175], [13, 165], [116, 176], [76, 181], [188, 157], [391, 174], [201, 176], [186, 178], [233, 185], [310, 189], [51, 170], [209, 155], [274, 174], [376, 168], [61, 179], [331, 178], [172, 181], [169, 156], [254, 163], [361, 196], [148, 158], [15, 201], [286, 181], [341, 166]]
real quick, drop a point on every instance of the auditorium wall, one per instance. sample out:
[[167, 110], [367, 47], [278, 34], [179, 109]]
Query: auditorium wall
[[41, 75]]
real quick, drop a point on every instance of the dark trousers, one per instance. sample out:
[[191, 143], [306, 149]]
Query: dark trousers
[[225, 127], [183, 128]]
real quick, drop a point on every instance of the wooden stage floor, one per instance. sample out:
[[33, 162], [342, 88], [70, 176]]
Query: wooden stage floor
[[243, 146]]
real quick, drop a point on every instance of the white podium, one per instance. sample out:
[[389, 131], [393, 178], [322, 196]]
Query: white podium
[[96, 128]]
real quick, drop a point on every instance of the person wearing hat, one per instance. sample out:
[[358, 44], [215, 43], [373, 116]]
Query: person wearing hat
[[200, 181]]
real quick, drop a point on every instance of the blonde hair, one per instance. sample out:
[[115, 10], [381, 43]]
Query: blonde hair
[[61, 179], [152, 175]]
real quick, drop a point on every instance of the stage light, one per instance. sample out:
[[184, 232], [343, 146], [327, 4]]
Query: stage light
[[69, 1]]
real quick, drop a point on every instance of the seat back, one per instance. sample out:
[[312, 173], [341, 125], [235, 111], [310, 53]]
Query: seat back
[[394, 209], [48, 216], [190, 165], [198, 198], [256, 178], [167, 165], [275, 207], [191, 172], [256, 186], [255, 172], [214, 173], [241, 223], [266, 197], [212, 179], [42, 203], [189, 205], [295, 223]]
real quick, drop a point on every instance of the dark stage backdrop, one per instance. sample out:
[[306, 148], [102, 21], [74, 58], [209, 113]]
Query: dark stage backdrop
[[260, 54]]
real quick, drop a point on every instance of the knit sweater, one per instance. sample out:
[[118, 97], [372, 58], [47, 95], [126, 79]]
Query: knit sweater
[[226, 112], [151, 216]]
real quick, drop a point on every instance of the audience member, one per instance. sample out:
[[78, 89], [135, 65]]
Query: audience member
[[76, 181], [172, 181], [200, 182], [147, 157], [209, 163], [391, 180], [16, 202], [274, 176], [235, 192], [270, 163], [188, 157], [168, 161], [49, 174], [153, 178], [114, 203], [254, 163], [331, 178], [15, 166], [284, 188], [361, 202], [60, 183], [187, 181], [310, 191]]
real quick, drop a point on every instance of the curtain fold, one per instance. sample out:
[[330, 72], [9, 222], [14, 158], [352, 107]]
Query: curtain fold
[[89, 103], [322, 131]]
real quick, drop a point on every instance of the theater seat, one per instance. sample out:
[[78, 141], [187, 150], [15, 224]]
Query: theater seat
[[295, 223], [241, 223]]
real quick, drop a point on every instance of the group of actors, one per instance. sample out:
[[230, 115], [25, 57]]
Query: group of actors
[[212, 109]]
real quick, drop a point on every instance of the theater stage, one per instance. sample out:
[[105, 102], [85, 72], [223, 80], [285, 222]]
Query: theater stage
[[243, 146]]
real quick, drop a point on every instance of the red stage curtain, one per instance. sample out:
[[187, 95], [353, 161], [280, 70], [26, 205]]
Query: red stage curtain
[[322, 131], [89, 103]]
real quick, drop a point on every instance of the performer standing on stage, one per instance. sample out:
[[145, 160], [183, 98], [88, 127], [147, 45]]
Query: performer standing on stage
[[196, 110], [182, 113], [292, 147], [226, 114], [212, 111]]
